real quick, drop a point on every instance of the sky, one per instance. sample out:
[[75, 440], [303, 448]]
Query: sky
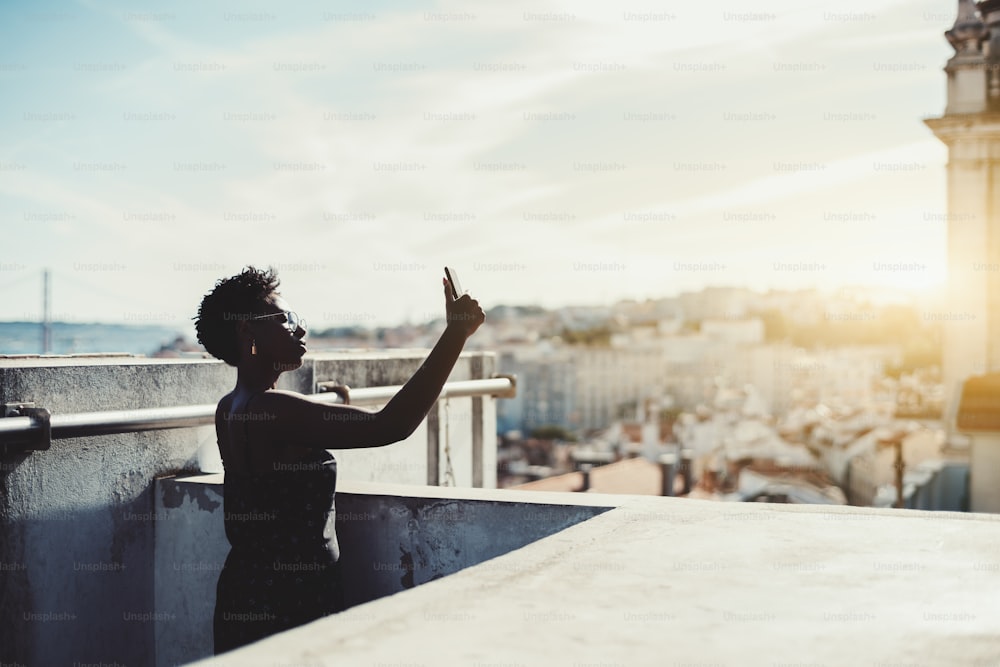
[[553, 152]]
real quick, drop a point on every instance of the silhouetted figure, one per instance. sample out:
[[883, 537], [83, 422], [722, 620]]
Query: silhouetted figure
[[282, 570]]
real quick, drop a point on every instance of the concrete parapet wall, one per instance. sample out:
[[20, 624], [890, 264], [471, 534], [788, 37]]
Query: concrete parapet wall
[[77, 528], [392, 538], [672, 581], [77, 521]]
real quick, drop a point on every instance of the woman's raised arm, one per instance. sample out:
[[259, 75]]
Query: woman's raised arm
[[296, 419]]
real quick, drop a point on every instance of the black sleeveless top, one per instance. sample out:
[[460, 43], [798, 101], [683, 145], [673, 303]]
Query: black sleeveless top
[[287, 512], [282, 570]]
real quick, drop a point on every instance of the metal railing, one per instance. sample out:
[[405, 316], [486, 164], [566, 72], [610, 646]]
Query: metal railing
[[503, 386], [24, 421]]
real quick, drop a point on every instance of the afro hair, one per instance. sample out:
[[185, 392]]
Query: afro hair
[[231, 300]]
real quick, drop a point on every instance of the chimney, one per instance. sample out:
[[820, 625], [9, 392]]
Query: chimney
[[668, 470], [686, 469]]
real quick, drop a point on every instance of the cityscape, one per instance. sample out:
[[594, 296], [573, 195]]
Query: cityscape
[[736, 397], [801, 384], [802, 394]]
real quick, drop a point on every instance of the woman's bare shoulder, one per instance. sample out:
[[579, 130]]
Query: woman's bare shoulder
[[284, 397], [225, 404]]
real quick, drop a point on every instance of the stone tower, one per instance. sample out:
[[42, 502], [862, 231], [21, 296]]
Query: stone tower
[[970, 128]]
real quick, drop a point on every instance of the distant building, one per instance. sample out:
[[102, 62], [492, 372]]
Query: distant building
[[734, 332], [716, 303], [979, 417], [576, 386], [546, 388], [613, 380], [970, 127]]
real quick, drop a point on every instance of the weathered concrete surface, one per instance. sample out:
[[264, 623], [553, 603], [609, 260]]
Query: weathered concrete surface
[[663, 581], [392, 538], [190, 551], [77, 521]]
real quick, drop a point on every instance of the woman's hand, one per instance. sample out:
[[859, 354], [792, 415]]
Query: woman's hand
[[464, 313]]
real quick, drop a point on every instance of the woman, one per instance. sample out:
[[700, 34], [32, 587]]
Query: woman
[[280, 480]]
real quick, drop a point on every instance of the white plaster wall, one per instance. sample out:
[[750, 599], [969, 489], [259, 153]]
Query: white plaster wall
[[984, 473]]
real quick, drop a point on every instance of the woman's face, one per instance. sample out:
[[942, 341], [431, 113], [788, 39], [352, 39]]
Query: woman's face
[[276, 344]]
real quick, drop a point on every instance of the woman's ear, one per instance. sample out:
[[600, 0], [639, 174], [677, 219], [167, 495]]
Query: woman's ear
[[243, 329]]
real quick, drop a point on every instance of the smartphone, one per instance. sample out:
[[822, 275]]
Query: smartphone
[[456, 288]]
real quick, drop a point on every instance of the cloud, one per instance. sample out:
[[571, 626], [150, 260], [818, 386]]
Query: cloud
[[459, 132]]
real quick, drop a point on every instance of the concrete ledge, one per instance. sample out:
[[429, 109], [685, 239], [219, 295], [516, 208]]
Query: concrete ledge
[[463, 493], [78, 521], [393, 537], [664, 581]]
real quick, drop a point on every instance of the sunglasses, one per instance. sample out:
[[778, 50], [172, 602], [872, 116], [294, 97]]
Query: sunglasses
[[292, 321]]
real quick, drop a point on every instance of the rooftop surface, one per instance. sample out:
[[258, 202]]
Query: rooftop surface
[[630, 476], [669, 581]]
